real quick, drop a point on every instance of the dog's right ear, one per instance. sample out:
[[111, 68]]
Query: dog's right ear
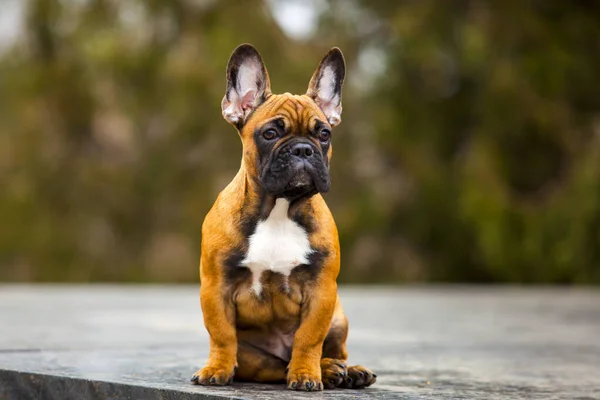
[[247, 84]]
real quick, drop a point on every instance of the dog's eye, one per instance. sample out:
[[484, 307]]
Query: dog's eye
[[324, 135], [270, 134]]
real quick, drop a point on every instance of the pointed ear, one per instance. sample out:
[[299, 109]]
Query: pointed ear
[[325, 86], [247, 84]]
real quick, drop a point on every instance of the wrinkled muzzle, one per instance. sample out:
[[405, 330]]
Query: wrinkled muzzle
[[296, 169]]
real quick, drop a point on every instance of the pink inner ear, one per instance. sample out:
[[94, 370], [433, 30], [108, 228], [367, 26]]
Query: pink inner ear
[[248, 100], [331, 108]]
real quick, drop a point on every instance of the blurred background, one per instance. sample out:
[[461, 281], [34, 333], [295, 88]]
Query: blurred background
[[469, 149]]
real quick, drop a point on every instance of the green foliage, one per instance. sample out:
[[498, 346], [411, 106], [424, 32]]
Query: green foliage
[[469, 148]]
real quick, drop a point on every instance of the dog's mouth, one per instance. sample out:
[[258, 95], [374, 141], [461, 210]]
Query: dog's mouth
[[303, 178], [301, 183], [292, 177]]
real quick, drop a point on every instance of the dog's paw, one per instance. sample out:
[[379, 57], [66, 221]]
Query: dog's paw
[[214, 375], [333, 372], [304, 380], [358, 377]]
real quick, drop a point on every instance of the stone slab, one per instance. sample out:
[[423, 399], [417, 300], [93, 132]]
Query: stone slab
[[97, 342]]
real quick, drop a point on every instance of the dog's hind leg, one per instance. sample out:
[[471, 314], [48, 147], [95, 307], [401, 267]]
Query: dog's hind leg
[[334, 345], [256, 365], [334, 370]]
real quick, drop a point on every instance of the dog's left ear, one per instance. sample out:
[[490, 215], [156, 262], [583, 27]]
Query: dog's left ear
[[247, 84], [325, 86]]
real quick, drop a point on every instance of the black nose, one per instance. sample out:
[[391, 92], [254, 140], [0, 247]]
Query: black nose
[[302, 150]]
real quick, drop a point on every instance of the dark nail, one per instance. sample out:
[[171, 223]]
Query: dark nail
[[338, 374], [349, 381], [362, 376], [194, 378], [294, 384], [374, 375], [213, 380], [310, 385]]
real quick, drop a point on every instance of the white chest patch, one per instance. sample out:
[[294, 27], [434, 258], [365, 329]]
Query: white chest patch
[[278, 244]]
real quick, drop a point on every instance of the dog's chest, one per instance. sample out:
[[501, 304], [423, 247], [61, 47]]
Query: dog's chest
[[278, 244]]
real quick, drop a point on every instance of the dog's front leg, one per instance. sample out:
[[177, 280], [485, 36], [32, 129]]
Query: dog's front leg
[[304, 372], [219, 318]]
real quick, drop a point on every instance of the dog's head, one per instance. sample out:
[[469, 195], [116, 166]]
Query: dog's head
[[286, 138]]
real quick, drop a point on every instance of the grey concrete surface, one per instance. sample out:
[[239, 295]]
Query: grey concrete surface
[[96, 342]]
